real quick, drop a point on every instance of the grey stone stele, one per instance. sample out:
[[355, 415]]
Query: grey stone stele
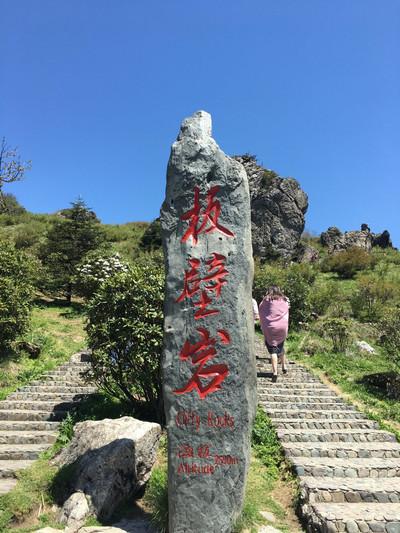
[[207, 503], [349, 469], [29, 417]]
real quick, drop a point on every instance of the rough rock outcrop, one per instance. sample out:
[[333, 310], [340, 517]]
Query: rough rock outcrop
[[382, 240], [336, 241], [209, 373], [111, 460], [306, 254], [278, 207]]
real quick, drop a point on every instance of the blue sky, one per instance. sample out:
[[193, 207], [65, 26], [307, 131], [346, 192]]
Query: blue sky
[[93, 92]]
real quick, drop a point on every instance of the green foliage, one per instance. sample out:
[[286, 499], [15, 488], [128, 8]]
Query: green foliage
[[125, 332], [151, 239], [266, 444], [249, 516], [17, 274], [323, 294], [9, 205], [372, 294], [390, 331], [338, 330], [94, 269], [125, 238], [295, 280], [156, 497], [348, 262], [75, 232]]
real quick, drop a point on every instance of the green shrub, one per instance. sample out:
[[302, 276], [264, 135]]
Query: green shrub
[[348, 262], [295, 280], [96, 267], [323, 294], [390, 331], [125, 331], [17, 274], [373, 293], [266, 444], [338, 330]]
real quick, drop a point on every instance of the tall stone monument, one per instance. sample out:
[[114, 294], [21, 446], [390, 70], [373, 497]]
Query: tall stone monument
[[209, 374]]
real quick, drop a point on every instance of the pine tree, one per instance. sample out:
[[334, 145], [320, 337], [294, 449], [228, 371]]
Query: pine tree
[[76, 232]]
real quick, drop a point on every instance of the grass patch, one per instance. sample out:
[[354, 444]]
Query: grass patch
[[58, 330]]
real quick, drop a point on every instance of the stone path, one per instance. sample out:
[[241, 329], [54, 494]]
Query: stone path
[[30, 416], [349, 469]]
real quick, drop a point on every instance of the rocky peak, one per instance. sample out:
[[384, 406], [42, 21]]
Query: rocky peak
[[278, 206]]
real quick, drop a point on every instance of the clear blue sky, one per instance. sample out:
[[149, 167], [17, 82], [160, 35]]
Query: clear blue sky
[[93, 92]]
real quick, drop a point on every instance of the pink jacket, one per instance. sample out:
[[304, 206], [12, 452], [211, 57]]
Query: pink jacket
[[274, 318]]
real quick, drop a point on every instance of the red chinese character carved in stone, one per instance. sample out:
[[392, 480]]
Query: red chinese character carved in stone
[[185, 451], [203, 451], [213, 282], [204, 221], [200, 353]]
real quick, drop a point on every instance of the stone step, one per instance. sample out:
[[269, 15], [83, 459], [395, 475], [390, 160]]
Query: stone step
[[54, 397], [356, 490], [342, 449], [288, 423], [21, 451], [58, 388], [56, 382], [283, 385], [304, 398], [75, 364], [6, 484], [63, 373], [371, 467], [335, 435], [306, 414], [14, 405], [27, 437], [354, 518], [317, 391], [27, 414], [264, 379], [8, 469], [318, 406], [28, 425]]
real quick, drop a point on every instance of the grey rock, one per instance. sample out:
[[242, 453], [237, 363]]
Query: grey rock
[[336, 241], [382, 240], [278, 207], [365, 347], [208, 420], [74, 511], [111, 460], [393, 527], [306, 254], [351, 527]]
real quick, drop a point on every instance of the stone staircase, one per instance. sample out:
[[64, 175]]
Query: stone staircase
[[349, 469], [29, 417]]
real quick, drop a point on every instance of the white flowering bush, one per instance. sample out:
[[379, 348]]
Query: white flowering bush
[[96, 269]]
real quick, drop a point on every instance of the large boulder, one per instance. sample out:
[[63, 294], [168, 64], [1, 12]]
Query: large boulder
[[336, 241], [110, 460], [278, 207]]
